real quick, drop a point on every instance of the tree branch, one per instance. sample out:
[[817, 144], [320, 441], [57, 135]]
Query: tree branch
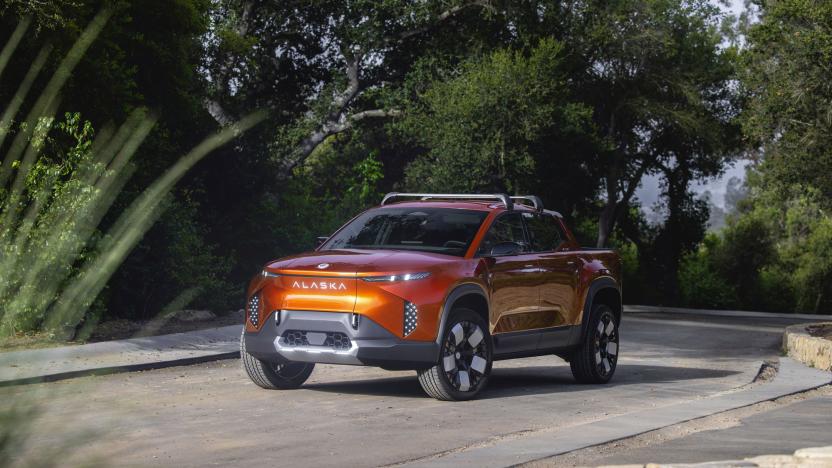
[[353, 62], [242, 26], [329, 128], [442, 17], [634, 181], [218, 112]]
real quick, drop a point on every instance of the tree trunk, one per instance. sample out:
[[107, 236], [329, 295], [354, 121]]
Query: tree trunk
[[606, 221]]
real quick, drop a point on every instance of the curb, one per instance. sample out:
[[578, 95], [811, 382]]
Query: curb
[[808, 457], [644, 309], [811, 350], [119, 369], [793, 377]]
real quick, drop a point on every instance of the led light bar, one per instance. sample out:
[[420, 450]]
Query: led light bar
[[399, 277]]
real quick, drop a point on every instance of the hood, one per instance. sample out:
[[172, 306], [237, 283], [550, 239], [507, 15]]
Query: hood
[[329, 280], [358, 262]]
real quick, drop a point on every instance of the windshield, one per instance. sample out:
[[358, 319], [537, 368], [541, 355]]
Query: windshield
[[441, 230]]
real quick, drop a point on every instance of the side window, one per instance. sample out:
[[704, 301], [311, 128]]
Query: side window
[[544, 232], [506, 228]]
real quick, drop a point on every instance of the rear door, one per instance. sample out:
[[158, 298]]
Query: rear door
[[559, 270], [514, 279]]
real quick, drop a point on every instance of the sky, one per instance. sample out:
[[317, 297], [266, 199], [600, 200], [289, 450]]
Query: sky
[[650, 190]]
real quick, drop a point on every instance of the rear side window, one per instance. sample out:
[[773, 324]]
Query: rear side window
[[506, 228], [544, 232]]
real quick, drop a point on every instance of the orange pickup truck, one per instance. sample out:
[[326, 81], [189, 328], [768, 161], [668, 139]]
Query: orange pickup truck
[[443, 284]]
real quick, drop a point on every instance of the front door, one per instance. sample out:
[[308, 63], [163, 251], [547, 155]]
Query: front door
[[513, 275], [559, 269]]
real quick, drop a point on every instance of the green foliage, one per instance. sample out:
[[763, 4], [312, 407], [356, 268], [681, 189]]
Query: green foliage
[[48, 14], [787, 78], [776, 252], [575, 101], [364, 184], [807, 249], [57, 183], [775, 257], [700, 282], [183, 261], [482, 121]]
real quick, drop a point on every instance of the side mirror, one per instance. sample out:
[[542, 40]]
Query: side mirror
[[320, 240], [506, 248]]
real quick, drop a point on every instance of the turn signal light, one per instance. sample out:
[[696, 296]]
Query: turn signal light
[[254, 309], [411, 317]]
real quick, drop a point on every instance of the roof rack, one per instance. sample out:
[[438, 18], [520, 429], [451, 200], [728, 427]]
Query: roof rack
[[536, 202], [502, 198]]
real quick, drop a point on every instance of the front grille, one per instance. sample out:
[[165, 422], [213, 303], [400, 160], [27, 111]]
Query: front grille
[[335, 340]]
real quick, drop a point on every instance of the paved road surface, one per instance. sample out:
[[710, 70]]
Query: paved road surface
[[350, 416]]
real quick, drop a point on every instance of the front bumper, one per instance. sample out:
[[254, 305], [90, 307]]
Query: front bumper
[[369, 345]]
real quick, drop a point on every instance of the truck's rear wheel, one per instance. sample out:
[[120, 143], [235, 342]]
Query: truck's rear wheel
[[272, 375], [465, 357], [595, 360]]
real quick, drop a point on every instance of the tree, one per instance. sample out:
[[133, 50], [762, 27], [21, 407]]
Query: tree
[[58, 180], [659, 84], [483, 120], [323, 65], [787, 78]]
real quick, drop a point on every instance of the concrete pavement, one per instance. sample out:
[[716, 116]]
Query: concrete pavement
[[805, 423], [673, 367], [791, 377], [780, 427]]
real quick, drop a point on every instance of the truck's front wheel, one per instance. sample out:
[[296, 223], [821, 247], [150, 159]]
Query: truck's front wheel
[[465, 357], [272, 375], [595, 360]]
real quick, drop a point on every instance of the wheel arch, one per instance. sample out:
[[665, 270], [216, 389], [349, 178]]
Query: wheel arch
[[603, 290], [468, 295]]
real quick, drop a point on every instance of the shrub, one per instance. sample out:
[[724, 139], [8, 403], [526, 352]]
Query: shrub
[[700, 282]]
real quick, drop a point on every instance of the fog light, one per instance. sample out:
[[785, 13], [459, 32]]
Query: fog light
[[354, 321], [276, 317], [411, 317], [254, 309]]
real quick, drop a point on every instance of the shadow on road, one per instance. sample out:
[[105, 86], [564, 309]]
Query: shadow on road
[[533, 380]]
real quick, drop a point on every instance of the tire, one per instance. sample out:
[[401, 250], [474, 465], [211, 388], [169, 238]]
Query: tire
[[271, 375], [465, 357], [595, 360]]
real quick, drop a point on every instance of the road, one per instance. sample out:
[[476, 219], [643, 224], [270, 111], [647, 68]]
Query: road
[[210, 414]]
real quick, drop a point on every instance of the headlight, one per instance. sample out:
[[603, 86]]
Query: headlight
[[399, 277], [269, 274]]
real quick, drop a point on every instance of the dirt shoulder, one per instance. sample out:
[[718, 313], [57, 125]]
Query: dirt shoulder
[[120, 329]]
